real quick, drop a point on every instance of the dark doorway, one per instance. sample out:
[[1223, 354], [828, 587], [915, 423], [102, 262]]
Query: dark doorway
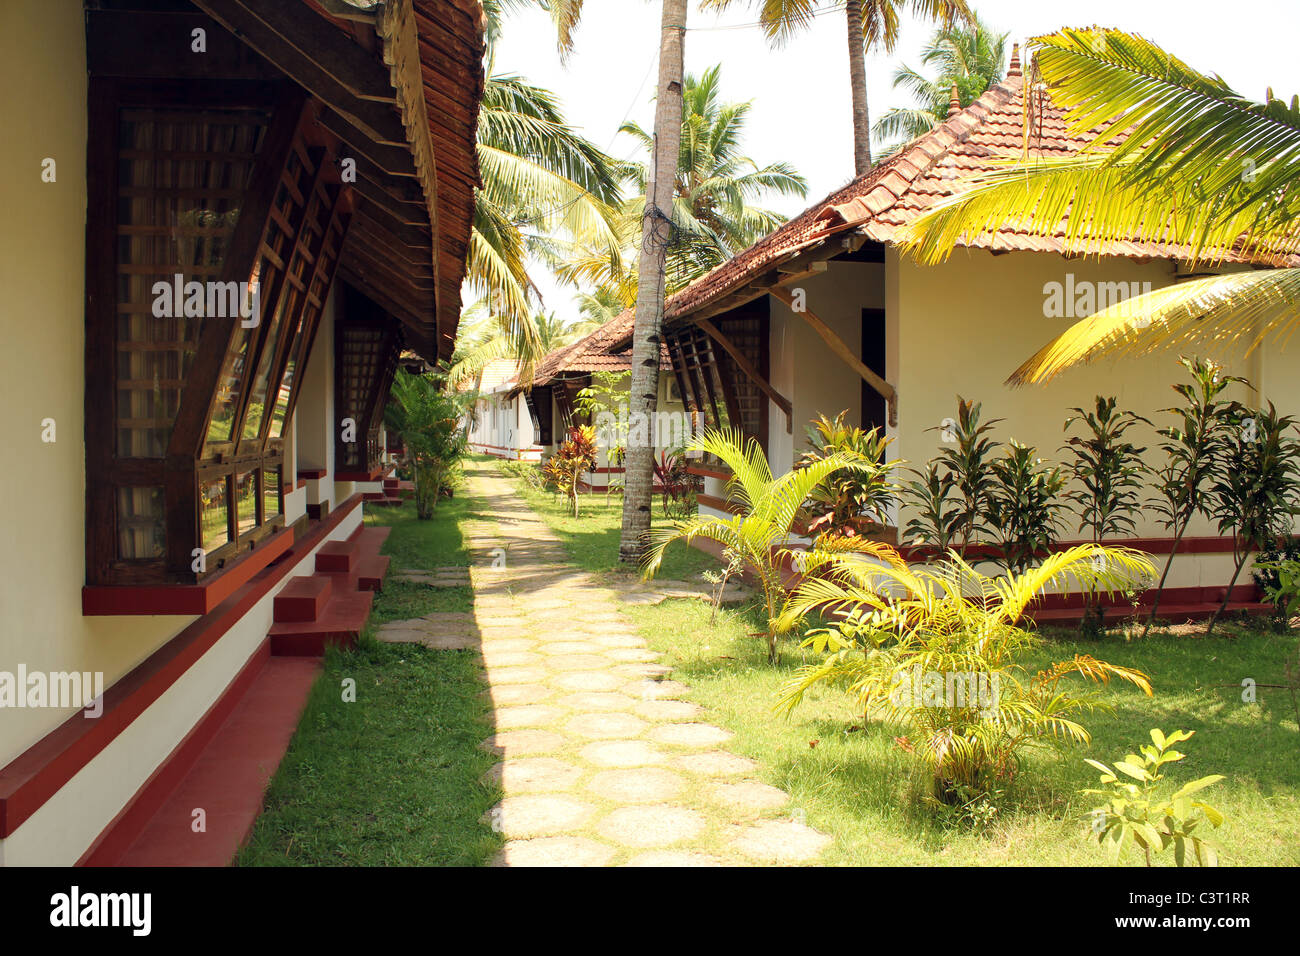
[[873, 357]]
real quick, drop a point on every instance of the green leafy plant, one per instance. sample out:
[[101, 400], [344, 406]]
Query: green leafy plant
[[1135, 813], [759, 535], [1276, 573], [1024, 508], [574, 458], [1192, 453], [1108, 473], [939, 652], [1254, 497], [428, 417], [677, 486], [968, 465], [601, 402], [857, 500], [935, 514]]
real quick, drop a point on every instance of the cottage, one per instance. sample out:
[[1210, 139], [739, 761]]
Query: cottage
[[826, 313], [562, 374], [186, 523]]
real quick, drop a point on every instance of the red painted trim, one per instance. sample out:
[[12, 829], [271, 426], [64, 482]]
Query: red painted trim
[[374, 475], [313, 473], [1201, 545], [185, 598], [40, 771], [126, 827], [1209, 544], [708, 472]]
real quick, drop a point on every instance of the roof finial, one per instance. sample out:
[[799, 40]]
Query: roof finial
[[954, 104], [1014, 68]]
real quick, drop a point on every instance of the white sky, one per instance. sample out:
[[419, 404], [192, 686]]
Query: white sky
[[801, 91]]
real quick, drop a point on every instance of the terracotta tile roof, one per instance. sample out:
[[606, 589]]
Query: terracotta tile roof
[[599, 351], [895, 193]]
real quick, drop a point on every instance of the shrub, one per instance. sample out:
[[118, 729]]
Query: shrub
[[936, 516], [857, 499], [677, 486], [1133, 813], [1108, 472], [968, 465], [1192, 451], [938, 652], [1277, 574], [1258, 480], [574, 458], [1023, 505], [428, 417]]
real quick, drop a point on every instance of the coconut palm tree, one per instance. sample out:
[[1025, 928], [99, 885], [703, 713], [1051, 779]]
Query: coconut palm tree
[[543, 185], [1203, 168], [715, 193], [869, 25], [968, 58], [486, 336]]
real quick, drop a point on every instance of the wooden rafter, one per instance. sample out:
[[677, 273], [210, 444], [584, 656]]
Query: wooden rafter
[[747, 367], [251, 21], [841, 348]]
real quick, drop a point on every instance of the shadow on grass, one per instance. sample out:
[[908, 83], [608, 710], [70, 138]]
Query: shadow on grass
[[386, 766]]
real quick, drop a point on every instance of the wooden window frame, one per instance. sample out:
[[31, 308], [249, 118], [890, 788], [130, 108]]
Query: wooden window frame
[[291, 130]]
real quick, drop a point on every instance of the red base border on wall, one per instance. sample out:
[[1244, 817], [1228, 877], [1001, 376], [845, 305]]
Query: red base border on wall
[[39, 772]]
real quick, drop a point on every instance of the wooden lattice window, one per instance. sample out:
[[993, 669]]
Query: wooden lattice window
[[367, 344], [215, 222], [714, 389]]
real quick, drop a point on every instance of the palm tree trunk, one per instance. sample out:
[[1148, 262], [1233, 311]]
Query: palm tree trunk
[[1241, 563], [858, 84], [1160, 587], [656, 233]]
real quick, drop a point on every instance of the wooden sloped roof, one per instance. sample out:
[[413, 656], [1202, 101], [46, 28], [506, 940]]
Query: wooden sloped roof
[[400, 84], [894, 193]]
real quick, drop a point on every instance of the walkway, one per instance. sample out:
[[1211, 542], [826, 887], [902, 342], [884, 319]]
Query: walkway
[[603, 759]]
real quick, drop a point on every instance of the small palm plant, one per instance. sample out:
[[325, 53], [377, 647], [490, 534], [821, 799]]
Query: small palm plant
[[938, 652], [759, 537]]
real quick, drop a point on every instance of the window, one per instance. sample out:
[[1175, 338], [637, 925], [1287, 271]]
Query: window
[[214, 226], [367, 345], [714, 389]]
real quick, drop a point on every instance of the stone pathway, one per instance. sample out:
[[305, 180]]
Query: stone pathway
[[603, 761]]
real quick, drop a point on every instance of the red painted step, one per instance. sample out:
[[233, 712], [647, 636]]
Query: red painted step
[[371, 571], [337, 556], [303, 598], [339, 623], [228, 778]]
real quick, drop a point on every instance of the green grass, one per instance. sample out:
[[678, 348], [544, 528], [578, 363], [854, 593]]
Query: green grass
[[857, 785], [592, 538], [395, 778]]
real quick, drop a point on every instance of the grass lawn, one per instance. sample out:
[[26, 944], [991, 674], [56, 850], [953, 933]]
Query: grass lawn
[[858, 786], [395, 778]]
